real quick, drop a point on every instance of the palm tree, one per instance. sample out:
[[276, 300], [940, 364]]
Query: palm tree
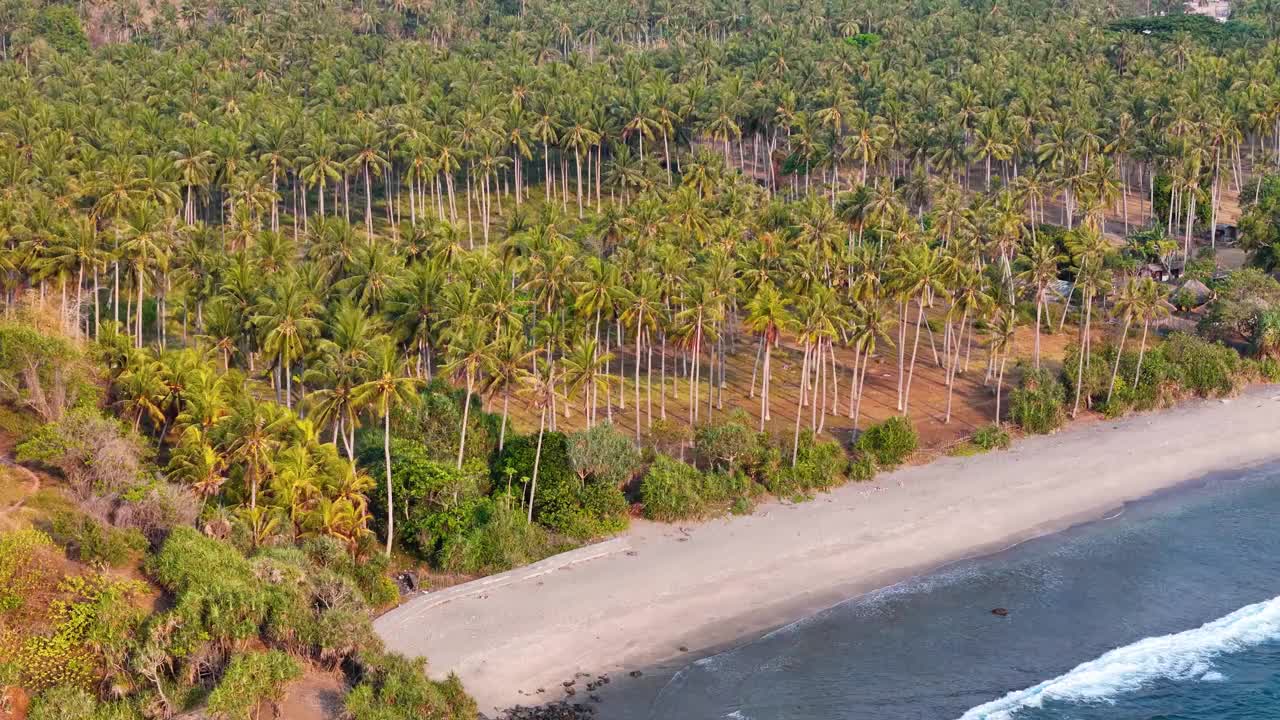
[[1042, 259], [288, 314], [389, 388], [921, 278], [642, 313], [1126, 305], [255, 429], [585, 372], [504, 370], [869, 326], [1003, 327], [541, 387], [468, 353], [1150, 306], [1091, 279], [766, 316]]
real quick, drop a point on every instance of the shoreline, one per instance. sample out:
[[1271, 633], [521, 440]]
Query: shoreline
[[674, 594]]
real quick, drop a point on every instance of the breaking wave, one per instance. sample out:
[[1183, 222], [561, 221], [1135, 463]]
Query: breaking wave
[[1187, 655]]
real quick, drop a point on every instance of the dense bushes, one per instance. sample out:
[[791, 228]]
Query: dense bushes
[[672, 490], [1183, 365], [90, 541], [991, 437], [742, 465], [436, 422], [433, 498], [820, 465], [1037, 404], [564, 501], [97, 455], [251, 678], [392, 687], [43, 372], [1203, 368], [222, 599], [494, 538], [889, 442], [1238, 305]]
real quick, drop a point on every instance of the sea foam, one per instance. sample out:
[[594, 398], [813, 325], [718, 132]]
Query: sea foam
[[1187, 655]]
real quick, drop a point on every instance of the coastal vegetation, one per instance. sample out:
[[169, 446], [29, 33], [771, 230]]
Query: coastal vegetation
[[298, 297]]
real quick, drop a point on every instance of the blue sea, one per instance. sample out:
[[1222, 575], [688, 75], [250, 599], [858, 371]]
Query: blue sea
[[1169, 609]]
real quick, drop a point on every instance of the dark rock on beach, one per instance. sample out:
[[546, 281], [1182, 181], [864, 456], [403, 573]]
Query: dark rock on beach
[[1002, 612], [552, 711]]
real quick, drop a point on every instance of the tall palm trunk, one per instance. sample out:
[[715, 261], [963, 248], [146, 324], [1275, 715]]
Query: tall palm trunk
[[1115, 370], [1084, 333], [537, 459], [764, 384], [386, 463], [1142, 350], [804, 379], [915, 346], [466, 414]]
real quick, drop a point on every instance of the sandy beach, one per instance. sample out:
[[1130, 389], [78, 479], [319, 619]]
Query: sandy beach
[[662, 595]]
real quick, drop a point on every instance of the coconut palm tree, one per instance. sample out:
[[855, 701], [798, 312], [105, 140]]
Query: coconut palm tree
[[469, 352], [388, 388], [1150, 306], [766, 316], [1042, 261]]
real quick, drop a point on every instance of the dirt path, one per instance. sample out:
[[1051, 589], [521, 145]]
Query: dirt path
[[317, 695], [8, 512]]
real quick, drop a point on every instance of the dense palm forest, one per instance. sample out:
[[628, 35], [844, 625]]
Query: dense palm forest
[[330, 280]]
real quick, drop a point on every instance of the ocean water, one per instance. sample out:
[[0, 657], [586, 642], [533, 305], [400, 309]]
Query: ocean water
[[1168, 610]]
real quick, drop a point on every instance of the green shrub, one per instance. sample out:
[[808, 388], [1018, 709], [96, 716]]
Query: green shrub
[[728, 445], [436, 420], [1269, 369], [496, 538], [222, 599], [601, 454], [90, 541], [889, 442], [393, 687], [564, 501], [96, 454], [64, 702], [369, 573], [862, 469], [1238, 305], [1037, 405], [72, 703], [46, 374], [252, 678], [1204, 368], [20, 567], [991, 437], [671, 491], [432, 497], [60, 27], [818, 466]]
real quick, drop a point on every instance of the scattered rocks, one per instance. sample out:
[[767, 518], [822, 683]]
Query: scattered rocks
[[1002, 612], [684, 649], [594, 698], [552, 711], [568, 683], [636, 673]]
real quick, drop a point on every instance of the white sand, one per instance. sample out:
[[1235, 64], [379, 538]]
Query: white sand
[[706, 586]]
